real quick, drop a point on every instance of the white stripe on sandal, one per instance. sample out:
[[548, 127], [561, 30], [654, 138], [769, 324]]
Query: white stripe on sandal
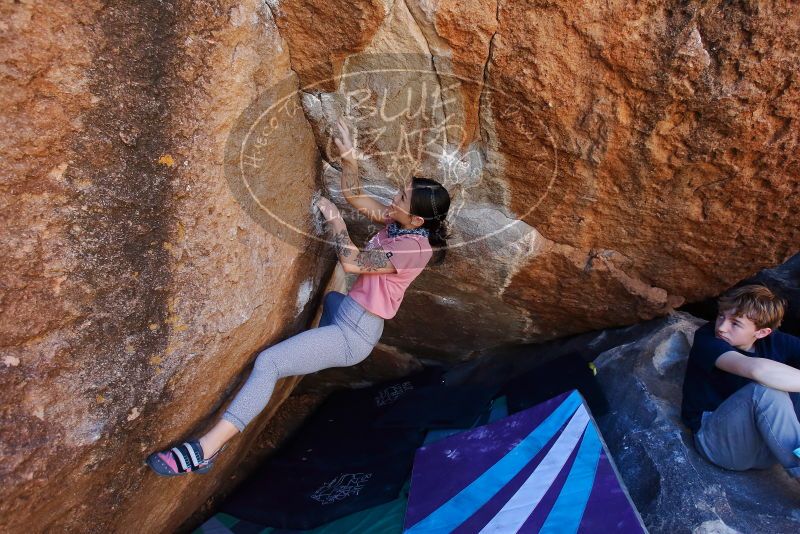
[[192, 454], [179, 454]]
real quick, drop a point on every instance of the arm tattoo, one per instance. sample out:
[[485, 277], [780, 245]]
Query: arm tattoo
[[372, 260], [350, 182], [367, 260], [343, 245]]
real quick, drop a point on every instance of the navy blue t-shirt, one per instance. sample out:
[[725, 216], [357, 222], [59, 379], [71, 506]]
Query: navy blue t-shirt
[[705, 386]]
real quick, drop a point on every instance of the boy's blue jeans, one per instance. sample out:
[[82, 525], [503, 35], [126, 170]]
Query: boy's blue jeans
[[753, 429]]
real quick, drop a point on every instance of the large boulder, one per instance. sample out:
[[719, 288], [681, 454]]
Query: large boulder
[[608, 162], [674, 489], [135, 288]]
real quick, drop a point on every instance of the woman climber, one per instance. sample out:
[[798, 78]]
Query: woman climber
[[351, 324]]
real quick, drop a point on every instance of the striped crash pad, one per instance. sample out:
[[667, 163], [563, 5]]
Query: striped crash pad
[[544, 469]]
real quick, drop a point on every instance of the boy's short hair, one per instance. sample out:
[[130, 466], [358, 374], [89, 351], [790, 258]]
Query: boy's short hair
[[756, 302]]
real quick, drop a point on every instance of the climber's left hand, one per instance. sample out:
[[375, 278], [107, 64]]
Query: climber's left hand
[[328, 209]]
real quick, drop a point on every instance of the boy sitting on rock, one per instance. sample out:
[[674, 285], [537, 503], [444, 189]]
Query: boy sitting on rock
[[738, 378]]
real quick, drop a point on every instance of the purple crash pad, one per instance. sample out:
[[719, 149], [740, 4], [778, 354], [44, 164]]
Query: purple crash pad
[[544, 469]]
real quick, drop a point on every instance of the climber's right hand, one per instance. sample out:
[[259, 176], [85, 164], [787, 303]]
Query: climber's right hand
[[344, 142]]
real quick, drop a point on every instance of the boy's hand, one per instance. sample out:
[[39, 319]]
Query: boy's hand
[[345, 144]]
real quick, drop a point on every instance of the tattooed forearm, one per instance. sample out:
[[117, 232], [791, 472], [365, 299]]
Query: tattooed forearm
[[351, 185], [355, 260], [372, 260], [343, 245]]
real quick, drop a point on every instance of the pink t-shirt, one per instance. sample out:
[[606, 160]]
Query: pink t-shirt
[[382, 293]]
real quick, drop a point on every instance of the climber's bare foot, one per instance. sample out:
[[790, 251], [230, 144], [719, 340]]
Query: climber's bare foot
[[218, 436]]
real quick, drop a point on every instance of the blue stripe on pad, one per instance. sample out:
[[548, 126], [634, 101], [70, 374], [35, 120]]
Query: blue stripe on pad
[[470, 499]]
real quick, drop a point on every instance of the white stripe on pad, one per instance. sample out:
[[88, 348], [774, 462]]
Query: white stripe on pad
[[520, 506]]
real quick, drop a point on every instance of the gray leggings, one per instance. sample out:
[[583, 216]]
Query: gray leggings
[[346, 335]]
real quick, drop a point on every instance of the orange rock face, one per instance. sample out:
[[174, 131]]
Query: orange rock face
[[317, 52], [675, 147], [136, 288], [652, 149], [607, 161]]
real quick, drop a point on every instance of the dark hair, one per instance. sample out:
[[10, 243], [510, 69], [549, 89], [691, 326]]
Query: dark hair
[[430, 200]]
